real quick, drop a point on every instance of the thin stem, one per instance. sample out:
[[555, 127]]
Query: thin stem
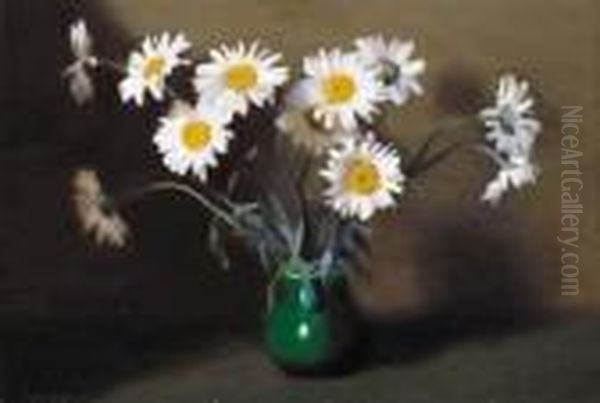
[[326, 259], [111, 65], [171, 92], [494, 155], [421, 161], [187, 190], [271, 286], [437, 158], [300, 190]]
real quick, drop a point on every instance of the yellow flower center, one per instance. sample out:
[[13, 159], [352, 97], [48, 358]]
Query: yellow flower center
[[362, 177], [339, 88], [154, 68], [196, 135], [241, 77]]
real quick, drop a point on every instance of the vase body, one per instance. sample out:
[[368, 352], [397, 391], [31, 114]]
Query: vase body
[[311, 325]]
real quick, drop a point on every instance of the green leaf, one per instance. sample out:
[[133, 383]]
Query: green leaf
[[216, 245]]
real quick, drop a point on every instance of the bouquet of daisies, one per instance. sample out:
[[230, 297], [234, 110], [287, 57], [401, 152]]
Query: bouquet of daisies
[[324, 168]]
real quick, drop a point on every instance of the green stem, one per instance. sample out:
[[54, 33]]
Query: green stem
[[184, 189], [271, 286], [423, 160], [437, 158], [112, 65]]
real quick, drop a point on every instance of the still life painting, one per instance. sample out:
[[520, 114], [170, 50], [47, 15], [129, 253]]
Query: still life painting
[[298, 201]]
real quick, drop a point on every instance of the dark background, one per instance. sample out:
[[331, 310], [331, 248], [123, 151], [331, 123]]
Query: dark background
[[78, 321], [64, 303]]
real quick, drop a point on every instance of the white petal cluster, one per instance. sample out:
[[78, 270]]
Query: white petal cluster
[[94, 214], [513, 173], [148, 68], [329, 110], [363, 176], [237, 77], [191, 138], [511, 131], [396, 70], [339, 89], [512, 127], [81, 85]]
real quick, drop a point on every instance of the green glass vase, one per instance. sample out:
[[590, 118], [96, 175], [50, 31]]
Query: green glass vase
[[311, 325]]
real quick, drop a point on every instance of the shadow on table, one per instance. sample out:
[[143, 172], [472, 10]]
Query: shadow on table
[[484, 285]]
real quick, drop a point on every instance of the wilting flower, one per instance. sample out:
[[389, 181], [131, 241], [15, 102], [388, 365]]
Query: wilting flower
[[362, 176], [514, 172], [81, 85], [191, 138], [305, 132], [397, 72], [148, 69], [339, 89], [512, 131], [512, 128], [236, 78], [96, 216]]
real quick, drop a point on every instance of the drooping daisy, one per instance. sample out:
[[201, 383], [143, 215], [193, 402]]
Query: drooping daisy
[[191, 138], [512, 127], [148, 68], [339, 89], [95, 213], [237, 77], [515, 172], [304, 132], [80, 83], [81, 42], [512, 131], [397, 72], [362, 176]]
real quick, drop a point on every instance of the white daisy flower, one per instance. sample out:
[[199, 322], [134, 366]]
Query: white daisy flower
[[148, 68], [80, 83], [236, 78], [362, 176], [339, 89], [512, 130], [191, 138], [94, 212], [511, 125], [396, 70], [514, 172]]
